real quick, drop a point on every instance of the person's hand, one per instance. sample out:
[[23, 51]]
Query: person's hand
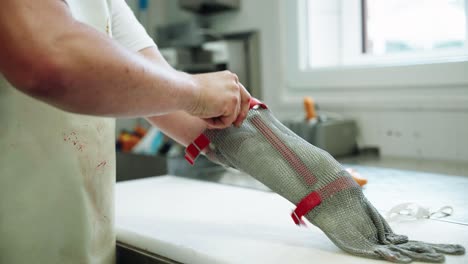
[[220, 99]]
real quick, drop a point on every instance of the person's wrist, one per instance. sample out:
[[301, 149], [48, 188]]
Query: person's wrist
[[189, 93]]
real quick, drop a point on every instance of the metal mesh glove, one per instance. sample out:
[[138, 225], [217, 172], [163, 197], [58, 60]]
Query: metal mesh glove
[[295, 169]]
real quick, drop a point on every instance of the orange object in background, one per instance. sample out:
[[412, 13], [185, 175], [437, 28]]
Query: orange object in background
[[357, 177], [309, 108], [126, 140], [140, 131]]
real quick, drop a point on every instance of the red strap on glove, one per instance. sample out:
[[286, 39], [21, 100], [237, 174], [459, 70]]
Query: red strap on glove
[[305, 206], [194, 149], [255, 103]]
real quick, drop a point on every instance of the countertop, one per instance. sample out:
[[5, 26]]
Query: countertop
[[192, 221]]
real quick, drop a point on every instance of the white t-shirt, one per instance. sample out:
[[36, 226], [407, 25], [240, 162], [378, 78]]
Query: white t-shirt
[[57, 169], [126, 29]]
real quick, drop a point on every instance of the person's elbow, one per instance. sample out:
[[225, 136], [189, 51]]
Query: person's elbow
[[43, 77], [37, 71]]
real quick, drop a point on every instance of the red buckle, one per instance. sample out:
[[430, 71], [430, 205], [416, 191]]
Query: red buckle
[[195, 148], [304, 207], [254, 103]]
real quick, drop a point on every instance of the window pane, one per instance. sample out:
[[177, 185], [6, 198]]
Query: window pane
[[323, 32], [393, 26]]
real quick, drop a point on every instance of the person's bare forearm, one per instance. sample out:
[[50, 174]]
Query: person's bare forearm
[[101, 78], [179, 126], [78, 69]]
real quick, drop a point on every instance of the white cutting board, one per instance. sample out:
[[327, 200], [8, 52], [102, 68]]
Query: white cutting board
[[191, 221]]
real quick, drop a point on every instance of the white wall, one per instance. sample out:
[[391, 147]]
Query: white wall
[[418, 134], [409, 129]]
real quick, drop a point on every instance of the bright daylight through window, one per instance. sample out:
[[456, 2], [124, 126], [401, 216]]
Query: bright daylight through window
[[417, 25], [357, 32]]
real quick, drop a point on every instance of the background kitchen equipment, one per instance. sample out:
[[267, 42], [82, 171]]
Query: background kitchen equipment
[[193, 47], [202, 169], [209, 6], [333, 134]]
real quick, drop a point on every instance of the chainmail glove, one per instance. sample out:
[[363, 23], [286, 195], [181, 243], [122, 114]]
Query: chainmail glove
[[265, 149]]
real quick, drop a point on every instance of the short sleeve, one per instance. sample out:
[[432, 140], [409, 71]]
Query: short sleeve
[[126, 29]]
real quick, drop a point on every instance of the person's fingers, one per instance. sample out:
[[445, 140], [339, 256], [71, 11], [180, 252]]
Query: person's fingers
[[231, 109], [233, 118], [392, 256], [229, 120], [214, 123], [232, 113], [432, 257], [236, 78], [211, 122], [221, 121], [244, 105]]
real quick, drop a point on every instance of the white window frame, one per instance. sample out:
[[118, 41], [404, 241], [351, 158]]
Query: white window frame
[[451, 71]]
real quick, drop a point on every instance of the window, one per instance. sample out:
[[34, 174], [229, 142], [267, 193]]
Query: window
[[399, 26], [329, 50], [369, 32]]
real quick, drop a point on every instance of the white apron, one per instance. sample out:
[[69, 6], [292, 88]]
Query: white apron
[[57, 174]]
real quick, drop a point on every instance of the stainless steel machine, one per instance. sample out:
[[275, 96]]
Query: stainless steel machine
[[193, 47]]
